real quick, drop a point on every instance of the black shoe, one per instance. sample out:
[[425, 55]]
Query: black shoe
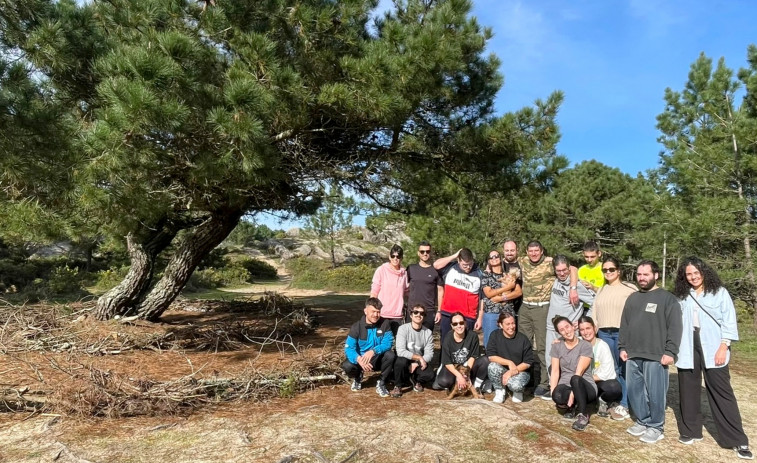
[[487, 387], [743, 452], [570, 414]]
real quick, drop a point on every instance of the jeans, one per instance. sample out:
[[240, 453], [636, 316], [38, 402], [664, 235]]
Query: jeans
[[647, 391], [610, 336], [489, 324]]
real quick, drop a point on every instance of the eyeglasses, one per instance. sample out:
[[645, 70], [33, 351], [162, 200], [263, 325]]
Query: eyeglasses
[[424, 251], [457, 323], [609, 270], [395, 256], [494, 256], [466, 264], [418, 312]]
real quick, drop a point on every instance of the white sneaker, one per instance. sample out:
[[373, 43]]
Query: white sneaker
[[499, 396], [517, 397]]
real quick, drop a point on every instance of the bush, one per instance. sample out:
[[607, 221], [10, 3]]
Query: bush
[[211, 278], [107, 279], [258, 269], [312, 274], [246, 233], [64, 280]]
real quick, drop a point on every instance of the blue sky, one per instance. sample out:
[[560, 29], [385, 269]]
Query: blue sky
[[612, 59]]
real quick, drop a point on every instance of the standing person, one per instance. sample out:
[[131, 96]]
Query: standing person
[[602, 368], [510, 356], [462, 290], [571, 382], [510, 262], [559, 303], [461, 347], [415, 349], [426, 285], [590, 274], [368, 347], [709, 326], [538, 277], [389, 285], [607, 311], [650, 333], [500, 289]]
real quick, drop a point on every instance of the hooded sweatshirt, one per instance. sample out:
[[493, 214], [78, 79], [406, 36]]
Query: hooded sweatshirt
[[390, 285]]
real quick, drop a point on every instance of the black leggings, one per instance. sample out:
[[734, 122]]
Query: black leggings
[[446, 379], [583, 393], [609, 390]]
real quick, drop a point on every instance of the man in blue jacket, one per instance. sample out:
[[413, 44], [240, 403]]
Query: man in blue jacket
[[369, 348]]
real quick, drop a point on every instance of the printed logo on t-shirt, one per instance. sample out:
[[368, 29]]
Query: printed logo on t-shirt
[[651, 307], [379, 332], [460, 356]]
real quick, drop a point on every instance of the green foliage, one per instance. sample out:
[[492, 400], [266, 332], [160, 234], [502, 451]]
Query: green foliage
[[65, 280], [315, 274], [257, 268], [246, 233], [334, 215], [108, 278], [232, 275]]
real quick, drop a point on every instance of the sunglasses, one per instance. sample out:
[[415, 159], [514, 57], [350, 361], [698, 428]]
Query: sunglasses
[[494, 256], [457, 323], [424, 251], [396, 256], [418, 312], [609, 270]]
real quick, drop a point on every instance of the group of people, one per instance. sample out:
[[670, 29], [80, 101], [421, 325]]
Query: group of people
[[579, 335]]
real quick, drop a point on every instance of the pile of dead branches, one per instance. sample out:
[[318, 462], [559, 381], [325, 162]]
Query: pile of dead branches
[[93, 392]]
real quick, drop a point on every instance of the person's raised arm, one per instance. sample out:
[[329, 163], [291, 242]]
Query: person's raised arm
[[445, 261]]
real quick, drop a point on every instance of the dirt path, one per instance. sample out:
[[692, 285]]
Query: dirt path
[[331, 423]]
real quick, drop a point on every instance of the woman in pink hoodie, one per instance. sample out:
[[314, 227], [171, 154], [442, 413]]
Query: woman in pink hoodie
[[389, 285]]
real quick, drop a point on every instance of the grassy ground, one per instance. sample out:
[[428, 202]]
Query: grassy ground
[[328, 422]]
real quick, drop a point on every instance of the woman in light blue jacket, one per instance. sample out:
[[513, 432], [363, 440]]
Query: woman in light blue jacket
[[709, 326]]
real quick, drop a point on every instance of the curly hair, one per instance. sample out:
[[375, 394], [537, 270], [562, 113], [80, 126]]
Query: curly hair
[[711, 280]]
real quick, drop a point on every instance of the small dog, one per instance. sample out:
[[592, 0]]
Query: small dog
[[465, 371]]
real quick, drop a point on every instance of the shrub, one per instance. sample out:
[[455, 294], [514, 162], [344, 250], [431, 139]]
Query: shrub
[[313, 274], [64, 280], [257, 268], [211, 278], [107, 279]]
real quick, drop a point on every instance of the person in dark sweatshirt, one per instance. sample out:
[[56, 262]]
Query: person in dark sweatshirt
[[650, 334], [369, 347]]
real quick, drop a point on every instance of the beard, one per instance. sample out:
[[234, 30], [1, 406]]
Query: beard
[[647, 286]]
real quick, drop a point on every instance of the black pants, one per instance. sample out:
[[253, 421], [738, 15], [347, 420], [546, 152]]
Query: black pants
[[725, 410], [446, 379], [385, 361], [609, 391], [402, 373], [583, 393]]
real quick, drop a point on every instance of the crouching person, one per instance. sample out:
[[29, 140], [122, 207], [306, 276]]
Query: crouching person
[[369, 348], [510, 356], [415, 349]]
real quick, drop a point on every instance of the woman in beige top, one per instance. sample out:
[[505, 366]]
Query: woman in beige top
[[607, 310]]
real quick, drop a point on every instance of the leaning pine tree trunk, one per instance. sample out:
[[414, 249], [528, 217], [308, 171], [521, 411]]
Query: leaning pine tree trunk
[[193, 247], [127, 294]]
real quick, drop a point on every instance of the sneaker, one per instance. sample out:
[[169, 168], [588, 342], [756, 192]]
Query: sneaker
[[602, 410], [581, 422], [570, 414], [686, 440], [743, 452], [637, 429], [619, 413], [381, 389], [418, 387], [651, 435], [499, 396], [517, 397], [396, 392], [357, 383], [542, 393]]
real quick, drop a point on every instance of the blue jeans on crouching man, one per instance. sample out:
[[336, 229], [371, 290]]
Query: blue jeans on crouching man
[[516, 384], [647, 382]]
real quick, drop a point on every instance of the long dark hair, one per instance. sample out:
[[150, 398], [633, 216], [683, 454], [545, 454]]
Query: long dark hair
[[615, 263], [458, 313], [710, 279]]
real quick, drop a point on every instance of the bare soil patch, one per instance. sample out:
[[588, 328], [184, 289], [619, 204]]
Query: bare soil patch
[[200, 343]]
